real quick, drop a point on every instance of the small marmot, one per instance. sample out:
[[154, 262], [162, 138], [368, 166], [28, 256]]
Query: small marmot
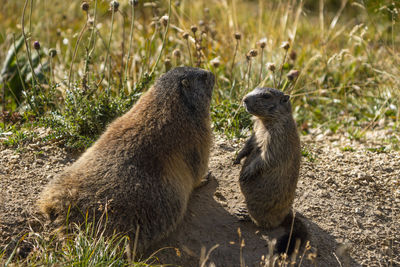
[[269, 175], [144, 167]]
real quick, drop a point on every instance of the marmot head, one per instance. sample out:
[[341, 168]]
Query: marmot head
[[192, 86], [267, 103]]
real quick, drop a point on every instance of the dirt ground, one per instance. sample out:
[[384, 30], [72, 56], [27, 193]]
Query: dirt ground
[[347, 196]]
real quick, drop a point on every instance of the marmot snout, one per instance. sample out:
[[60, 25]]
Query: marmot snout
[[267, 103]]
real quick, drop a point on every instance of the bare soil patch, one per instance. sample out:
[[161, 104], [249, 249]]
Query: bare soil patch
[[348, 196]]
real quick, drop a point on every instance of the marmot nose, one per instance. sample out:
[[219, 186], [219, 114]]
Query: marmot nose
[[245, 100]]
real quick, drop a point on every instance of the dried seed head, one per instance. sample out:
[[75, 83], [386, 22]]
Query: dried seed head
[[134, 2], [90, 21], [185, 35], [238, 35], [215, 62], [85, 6], [36, 45], [150, 4], [193, 28], [167, 64], [164, 20], [177, 3], [201, 23], [262, 43], [271, 66], [177, 53], [293, 55], [253, 53], [292, 75], [114, 5], [213, 33], [52, 52], [198, 46], [285, 45]]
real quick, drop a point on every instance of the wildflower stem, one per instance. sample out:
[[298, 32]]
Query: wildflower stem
[[234, 56], [108, 60], [41, 65], [274, 77], [281, 68], [164, 39], [19, 74], [107, 50], [92, 40], [74, 55], [130, 45], [261, 65], [30, 16], [248, 75], [28, 51], [190, 54]]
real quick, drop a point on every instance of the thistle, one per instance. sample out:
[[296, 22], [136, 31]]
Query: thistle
[[292, 75], [114, 5], [271, 67], [177, 54], [36, 45], [164, 20], [167, 64], [85, 6], [215, 62]]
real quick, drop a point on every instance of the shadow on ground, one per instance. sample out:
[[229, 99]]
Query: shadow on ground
[[207, 223]]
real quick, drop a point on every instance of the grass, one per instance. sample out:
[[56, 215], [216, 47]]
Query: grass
[[73, 69], [96, 62], [83, 245]]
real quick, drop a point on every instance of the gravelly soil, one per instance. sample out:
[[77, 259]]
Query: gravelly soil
[[349, 200]]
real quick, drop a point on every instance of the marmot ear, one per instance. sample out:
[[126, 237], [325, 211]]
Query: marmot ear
[[185, 83], [285, 98]]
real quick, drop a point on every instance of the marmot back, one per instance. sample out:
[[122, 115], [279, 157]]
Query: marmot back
[[142, 170], [269, 175]]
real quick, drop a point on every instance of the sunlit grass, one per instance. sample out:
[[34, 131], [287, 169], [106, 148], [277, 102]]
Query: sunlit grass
[[82, 245], [346, 55]]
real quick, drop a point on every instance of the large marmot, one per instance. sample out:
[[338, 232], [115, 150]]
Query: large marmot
[[269, 175], [144, 167]]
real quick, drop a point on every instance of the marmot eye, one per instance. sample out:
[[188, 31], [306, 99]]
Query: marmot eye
[[203, 76], [266, 96]]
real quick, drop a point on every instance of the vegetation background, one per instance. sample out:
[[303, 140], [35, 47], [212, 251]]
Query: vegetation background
[[73, 66]]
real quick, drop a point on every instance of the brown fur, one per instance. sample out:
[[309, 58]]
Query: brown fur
[[145, 165], [269, 175]]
